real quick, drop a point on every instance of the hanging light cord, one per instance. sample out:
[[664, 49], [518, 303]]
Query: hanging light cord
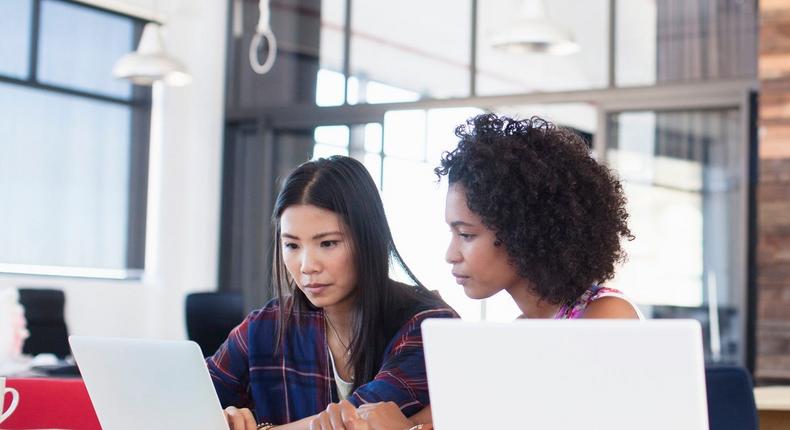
[[263, 31]]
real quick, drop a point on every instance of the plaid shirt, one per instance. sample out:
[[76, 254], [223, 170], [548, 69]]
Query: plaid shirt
[[298, 381]]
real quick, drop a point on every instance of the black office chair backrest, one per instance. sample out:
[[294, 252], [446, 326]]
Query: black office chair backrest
[[211, 316], [730, 399], [45, 321]]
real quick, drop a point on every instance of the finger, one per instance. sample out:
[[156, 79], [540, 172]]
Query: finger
[[234, 418], [366, 413], [249, 419], [333, 411], [321, 422], [315, 424], [370, 405], [347, 411], [358, 424]]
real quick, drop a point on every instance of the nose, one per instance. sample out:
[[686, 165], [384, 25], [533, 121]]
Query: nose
[[310, 263], [452, 255]]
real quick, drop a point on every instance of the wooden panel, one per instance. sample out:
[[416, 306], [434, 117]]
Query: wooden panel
[[773, 306], [773, 197], [776, 171], [774, 420], [775, 136], [773, 345]]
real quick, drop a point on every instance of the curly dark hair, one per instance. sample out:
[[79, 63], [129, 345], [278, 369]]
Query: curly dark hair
[[558, 212]]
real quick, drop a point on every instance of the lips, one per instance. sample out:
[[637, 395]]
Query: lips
[[460, 279], [315, 288]]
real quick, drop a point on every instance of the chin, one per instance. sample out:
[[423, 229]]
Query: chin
[[319, 302], [477, 293]]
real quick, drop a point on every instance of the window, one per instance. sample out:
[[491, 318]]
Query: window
[[502, 72], [415, 207], [685, 186], [330, 140], [411, 55], [685, 40], [74, 150], [682, 151]]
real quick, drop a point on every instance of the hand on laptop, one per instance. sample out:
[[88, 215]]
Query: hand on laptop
[[240, 419], [339, 416], [384, 416]]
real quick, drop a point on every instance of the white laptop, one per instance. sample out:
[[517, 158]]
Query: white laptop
[[571, 374], [139, 384]]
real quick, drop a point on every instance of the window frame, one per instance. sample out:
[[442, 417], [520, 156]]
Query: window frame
[[139, 104]]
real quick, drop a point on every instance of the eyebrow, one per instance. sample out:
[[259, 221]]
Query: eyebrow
[[455, 224], [316, 237]]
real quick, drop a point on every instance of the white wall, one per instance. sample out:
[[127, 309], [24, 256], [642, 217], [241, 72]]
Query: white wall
[[182, 237]]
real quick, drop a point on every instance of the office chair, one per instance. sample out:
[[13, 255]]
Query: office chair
[[730, 399], [211, 316], [45, 321]]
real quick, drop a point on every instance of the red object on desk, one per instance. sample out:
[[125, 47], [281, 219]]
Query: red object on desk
[[51, 403]]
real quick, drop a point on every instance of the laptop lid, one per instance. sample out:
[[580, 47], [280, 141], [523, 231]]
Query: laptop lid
[[554, 374], [148, 384]]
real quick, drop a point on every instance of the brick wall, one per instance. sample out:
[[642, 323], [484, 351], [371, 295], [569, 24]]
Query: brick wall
[[773, 199]]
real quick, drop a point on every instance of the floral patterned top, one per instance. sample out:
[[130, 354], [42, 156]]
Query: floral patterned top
[[575, 310]]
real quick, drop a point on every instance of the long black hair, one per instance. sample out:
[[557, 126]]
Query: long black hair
[[343, 185]]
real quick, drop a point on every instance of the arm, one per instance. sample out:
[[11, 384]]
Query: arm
[[229, 368], [388, 416], [402, 377], [400, 389], [337, 416]]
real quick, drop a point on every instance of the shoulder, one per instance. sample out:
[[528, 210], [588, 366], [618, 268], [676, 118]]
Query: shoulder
[[436, 312], [610, 307], [410, 333], [269, 312], [427, 304]]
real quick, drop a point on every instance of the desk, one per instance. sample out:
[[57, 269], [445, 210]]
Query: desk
[[773, 406]]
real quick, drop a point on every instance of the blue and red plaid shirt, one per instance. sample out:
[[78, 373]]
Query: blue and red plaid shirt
[[298, 381]]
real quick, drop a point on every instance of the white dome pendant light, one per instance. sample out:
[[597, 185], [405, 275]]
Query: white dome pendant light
[[534, 33], [151, 62]]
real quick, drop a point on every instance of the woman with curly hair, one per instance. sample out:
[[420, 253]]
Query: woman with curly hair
[[533, 214]]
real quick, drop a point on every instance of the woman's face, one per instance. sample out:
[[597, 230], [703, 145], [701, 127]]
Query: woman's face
[[318, 256], [479, 265]]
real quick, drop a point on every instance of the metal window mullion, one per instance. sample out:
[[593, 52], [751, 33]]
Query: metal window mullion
[[35, 25], [684, 96], [750, 168], [67, 91], [117, 9], [473, 52], [382, 154], [346, 51], [139, 136], [612, 39], [356, 141]]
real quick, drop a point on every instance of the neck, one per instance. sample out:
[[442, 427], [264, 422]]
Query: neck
[[340, 319], [530, 303]]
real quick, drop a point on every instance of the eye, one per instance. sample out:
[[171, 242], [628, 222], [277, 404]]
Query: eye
[[290, 245], [466, 236], [329, 243]]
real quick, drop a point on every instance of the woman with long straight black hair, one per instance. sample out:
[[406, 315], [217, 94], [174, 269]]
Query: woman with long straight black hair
[[340, 328]]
